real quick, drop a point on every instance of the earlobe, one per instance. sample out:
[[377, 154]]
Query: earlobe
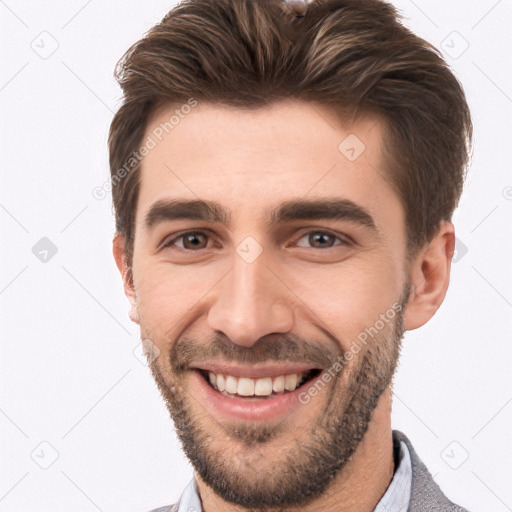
[[129, 291], [132, 313], [429, 276]]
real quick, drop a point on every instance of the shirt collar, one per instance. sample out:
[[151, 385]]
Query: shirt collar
[[398, 493]]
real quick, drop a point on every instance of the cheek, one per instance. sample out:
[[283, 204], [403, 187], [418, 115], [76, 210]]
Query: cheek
[[347, 299], [344, 299], [169, 295]]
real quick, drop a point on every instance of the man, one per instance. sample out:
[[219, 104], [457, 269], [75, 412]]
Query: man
[[284, 176]]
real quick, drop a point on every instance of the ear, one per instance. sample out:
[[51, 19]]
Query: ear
[[126, 274], [429, 275]]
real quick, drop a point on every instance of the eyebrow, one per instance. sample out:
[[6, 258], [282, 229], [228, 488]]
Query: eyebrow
[[210, 211]]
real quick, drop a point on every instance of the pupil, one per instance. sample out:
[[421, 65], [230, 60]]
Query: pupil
[[317, 237], [192, 240]]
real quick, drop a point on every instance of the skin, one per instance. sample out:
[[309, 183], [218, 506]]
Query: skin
[[199, 299]]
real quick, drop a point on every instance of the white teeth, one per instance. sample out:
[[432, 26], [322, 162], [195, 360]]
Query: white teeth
[[255, 387], [221, 382], [290, 382], [278, 384], [231, 384], [245, 386], [263, 387]]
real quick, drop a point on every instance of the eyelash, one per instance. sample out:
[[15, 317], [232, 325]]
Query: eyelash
[[345, 241]]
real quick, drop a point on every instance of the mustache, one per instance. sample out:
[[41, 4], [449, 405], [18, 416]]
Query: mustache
[[270, 348]]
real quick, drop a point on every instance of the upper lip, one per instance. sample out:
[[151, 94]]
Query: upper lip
[[254, 371]]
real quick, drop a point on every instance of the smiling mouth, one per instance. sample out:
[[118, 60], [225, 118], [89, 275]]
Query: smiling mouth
[[257, 389]]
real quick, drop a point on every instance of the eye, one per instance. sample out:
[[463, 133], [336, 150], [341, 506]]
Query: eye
[[192, 240], [323, 240], [196, 240]]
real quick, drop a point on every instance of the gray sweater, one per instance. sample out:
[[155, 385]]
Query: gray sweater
[[425, 493]]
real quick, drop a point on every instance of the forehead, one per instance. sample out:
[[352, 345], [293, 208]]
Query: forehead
[[253, 160]]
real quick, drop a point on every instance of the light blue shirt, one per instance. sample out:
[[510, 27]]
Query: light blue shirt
[[398, 494], [396, 498]]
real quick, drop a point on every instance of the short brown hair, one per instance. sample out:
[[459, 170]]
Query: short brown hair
[[352, 55]]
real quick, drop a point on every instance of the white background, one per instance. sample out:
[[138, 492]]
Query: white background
[[69, 376]]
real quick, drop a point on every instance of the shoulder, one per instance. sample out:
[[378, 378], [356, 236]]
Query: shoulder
[[426, 495]]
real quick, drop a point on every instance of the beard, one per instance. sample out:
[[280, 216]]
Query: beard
[[297, 472]]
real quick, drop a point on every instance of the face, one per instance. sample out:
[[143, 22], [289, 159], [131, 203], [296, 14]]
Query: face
[[267, 256]]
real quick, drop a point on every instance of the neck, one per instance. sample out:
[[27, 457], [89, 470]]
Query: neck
[[358, 487]]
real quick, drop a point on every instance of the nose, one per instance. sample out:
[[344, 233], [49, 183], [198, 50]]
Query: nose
[[251, 302]]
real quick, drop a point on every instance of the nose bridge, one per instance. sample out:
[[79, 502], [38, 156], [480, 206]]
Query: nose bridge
[[251, 302]]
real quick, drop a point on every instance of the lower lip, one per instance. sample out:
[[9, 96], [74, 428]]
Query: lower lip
[[265, 409]]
